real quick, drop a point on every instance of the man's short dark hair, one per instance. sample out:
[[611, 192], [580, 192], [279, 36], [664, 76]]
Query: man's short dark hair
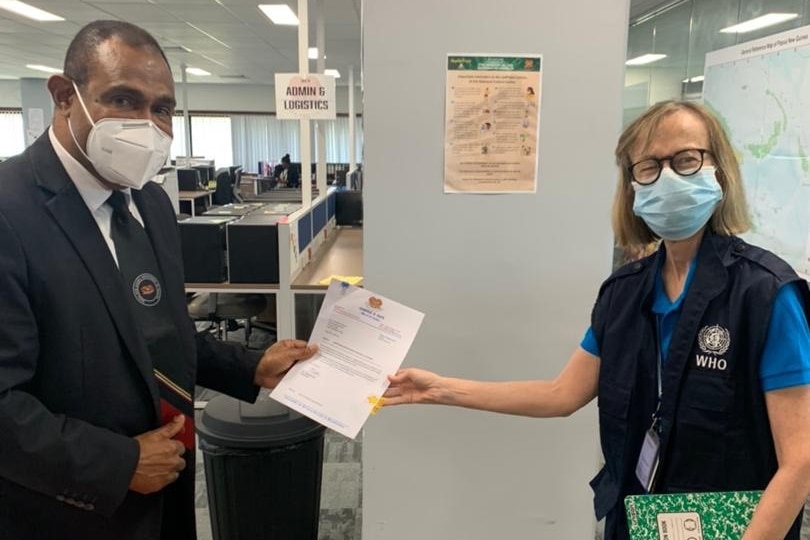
[[81, 52]]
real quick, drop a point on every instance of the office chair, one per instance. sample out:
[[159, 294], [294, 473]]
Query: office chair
[[224, 309], [237, 189], [224, 193]]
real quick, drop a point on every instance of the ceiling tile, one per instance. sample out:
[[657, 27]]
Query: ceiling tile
[[255, 47], [197, 14], [137, 13]]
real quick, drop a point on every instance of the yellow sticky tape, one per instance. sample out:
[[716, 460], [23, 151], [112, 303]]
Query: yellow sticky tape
[[376, 403], [352, 280]]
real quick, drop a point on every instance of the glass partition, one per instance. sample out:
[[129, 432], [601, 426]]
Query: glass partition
[[684, 33]]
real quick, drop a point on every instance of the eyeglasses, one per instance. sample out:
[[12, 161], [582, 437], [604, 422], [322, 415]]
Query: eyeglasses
[[685, 163]]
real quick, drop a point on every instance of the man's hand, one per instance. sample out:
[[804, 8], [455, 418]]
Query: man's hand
[[161, 458], [278, 360]]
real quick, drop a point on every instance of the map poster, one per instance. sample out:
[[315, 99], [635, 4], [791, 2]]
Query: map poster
[[760, 91], [492, 121]]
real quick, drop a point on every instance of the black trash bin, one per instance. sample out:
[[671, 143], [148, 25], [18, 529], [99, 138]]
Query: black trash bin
[[263, 465]]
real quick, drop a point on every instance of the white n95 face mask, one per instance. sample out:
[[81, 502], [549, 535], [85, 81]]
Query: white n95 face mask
[[125, 151]]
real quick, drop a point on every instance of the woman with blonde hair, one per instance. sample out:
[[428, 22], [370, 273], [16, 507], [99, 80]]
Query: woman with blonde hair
[[698, 354]]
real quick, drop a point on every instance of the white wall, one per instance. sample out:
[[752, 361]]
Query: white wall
[[10, 93], [213, 97], [506, 281]]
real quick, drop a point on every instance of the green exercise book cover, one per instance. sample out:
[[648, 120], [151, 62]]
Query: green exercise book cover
[[690, 516]]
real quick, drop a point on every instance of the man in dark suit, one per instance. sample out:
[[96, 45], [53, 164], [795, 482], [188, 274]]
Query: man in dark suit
[[97, 369]]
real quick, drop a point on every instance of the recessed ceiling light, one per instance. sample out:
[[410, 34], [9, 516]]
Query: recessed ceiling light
[[197, 71], [279, 14], [764, 21], [29, 11], [46, 69], [645, 59], [333, 72], [312, 53]]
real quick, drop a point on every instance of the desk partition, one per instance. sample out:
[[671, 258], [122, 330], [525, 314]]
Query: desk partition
[[301, 235], [306, 238]]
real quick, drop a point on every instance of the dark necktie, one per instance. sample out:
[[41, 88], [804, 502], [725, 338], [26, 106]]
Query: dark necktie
[[143, 287]]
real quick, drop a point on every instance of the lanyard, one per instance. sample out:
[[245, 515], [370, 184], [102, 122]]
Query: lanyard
[[656, 415]]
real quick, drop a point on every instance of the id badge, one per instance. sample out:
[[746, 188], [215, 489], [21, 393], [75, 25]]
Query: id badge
[[647, 464]]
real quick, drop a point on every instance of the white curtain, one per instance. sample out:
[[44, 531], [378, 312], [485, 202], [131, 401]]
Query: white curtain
[[337, 139], [179, 140], [247, 139], [258, 138], [266, 138], [210, 138], [12, 141]]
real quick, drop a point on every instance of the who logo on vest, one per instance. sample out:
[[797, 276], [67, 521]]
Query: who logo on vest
[[714, 341]]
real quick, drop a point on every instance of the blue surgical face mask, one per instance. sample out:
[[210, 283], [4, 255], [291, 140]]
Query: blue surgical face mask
[[676, 207]]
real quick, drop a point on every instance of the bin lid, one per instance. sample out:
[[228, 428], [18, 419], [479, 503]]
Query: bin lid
[[231, 423]]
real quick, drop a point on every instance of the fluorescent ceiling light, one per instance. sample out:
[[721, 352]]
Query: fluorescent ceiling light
[[46, 69], [29, 11], [333, 72], [645, 59], [312, 53], [279, 14], [197, 71], [764, 21], [697, 78]]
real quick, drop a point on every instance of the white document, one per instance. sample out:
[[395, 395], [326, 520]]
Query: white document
[[362, 338]]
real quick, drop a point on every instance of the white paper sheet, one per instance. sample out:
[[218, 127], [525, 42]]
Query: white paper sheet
[[363, 337]]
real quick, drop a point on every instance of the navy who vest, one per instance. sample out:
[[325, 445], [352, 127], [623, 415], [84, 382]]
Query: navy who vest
[[715, 430]]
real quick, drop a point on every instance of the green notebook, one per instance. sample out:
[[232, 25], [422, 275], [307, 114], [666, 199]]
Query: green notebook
[[691, 516]]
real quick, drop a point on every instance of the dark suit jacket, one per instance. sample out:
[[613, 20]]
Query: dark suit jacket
[[293, 174], [76, 382]]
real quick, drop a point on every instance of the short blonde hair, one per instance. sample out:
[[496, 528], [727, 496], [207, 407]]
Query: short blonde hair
[[731, 215]]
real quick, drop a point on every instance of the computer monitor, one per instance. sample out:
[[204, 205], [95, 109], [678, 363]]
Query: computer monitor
[[340, 178], [206, 173], [266, 168], [189, 180], [349, 207]]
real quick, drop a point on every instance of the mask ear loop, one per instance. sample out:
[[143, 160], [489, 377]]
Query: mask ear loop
[[81, 102], [70, 126], [722, 181]]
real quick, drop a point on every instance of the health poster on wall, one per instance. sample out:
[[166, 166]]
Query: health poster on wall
[[492, 122]]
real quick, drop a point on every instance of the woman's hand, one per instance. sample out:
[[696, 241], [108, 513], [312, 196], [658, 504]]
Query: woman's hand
[[413, 385]]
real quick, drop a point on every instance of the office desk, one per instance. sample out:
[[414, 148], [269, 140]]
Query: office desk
[[192, 197], [341, 255], [263, 183], [234, 288]]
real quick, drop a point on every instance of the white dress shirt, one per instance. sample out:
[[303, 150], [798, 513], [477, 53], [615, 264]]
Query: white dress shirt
[[93, 192]]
